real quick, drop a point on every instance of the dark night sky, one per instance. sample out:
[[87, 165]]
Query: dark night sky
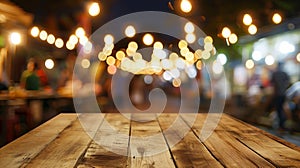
[[61, 16]]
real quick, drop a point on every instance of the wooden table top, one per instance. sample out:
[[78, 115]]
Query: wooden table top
[[63, 142]]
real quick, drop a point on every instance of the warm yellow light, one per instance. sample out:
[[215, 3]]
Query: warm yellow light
[[189, 27], [184, 51], [182, 44], [102, 56], [190, 38], [15, 38], [298, 57], [208, 47], [277, 18], [205, 54], [226, 32], [59, 43], [111, 69], [120, 55], [199, 65], [83, 40], [130, 31], [73, 39], [249, 64], [49, 64], [85, 63], [158, 45], [247, 20], [109, 39], [198, 54], [133, 46], [186, 6], [94, 9], [233, 38], [70, 46], [43, 35], [208, 39], [190, 56], [137, 56], [80, 32], [51, 39], [148, 39], [110, 60], [252, 29], [173, 56], [176, 82], [35, 31]]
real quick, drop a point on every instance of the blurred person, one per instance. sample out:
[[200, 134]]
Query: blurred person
[[3, 79], [29, 78], [292, 105], [280, 82], [42, 75]]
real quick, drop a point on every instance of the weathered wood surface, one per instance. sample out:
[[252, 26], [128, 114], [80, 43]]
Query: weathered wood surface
[[166, 140]]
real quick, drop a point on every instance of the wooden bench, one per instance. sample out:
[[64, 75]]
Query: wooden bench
[[62, 142]]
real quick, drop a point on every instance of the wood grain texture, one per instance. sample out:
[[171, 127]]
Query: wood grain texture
[[148, 140], [65, 150], [276, 152], [101, 152], [189, 151], [21, 151], [148, 147]]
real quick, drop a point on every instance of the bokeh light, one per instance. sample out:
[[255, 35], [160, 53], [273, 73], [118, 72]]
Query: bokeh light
[[43, 35], [256, 55], [15, 38], [190, 38], [222, 58], [186, 6], [269, 60], [70, 46], [226, 32], [252, 29], [130, 31], [233, 38], [110, 60], [85, 63], [276, 18], [120, 55], [94, 9], [49, 64], [35, 31], [217, 67], [111, 69], [51, 39], [249, 64], [73, 39], [247, 20], [189, 27], [298, 57], [108, 39], [148, 39], [148, 79], [80, 32], [59, 43]]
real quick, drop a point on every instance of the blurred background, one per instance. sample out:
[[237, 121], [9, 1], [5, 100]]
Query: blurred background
[[250, 39]]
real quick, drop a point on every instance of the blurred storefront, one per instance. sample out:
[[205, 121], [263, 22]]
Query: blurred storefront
[[14, 23]]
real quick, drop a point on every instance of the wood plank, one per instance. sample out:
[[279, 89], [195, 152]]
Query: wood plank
[[224, 146], [275, 152], [67, 148], [22, 150], [98, 154], [148, 147], [189, 151]]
